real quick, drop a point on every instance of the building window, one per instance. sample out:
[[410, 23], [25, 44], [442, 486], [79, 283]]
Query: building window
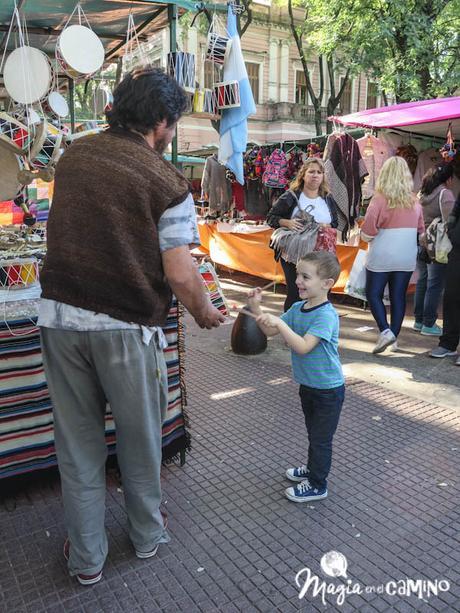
[[345, 100], [372, 93], [301, 93], [212, 74], [253, 70]]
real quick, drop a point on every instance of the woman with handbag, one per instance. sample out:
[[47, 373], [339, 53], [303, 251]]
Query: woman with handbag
[[437, 201], [393, 219], [450, 338], [307, 202]]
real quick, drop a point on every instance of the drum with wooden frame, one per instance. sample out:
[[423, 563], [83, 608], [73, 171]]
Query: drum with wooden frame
[[46, 147], [27, 75], [14, 135], [181, 66], [10, 165], [79, 52], [56, 105], [218, 48], [227, 94]]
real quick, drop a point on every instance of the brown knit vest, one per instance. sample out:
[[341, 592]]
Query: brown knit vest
[[103, 249]]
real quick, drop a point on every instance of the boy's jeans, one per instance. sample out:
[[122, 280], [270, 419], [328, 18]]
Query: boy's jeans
[[321, 408]]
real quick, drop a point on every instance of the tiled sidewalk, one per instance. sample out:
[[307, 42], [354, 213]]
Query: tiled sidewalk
[[237, 543]]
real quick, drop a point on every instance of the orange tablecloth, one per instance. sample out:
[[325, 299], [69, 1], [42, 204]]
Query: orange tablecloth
[[250, 253]]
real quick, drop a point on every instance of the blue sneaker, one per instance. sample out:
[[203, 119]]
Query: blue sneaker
[[297, 474], [434, 330], [417, 326], [304, 492]]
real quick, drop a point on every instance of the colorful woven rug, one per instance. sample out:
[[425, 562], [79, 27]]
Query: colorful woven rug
[[26, 420]]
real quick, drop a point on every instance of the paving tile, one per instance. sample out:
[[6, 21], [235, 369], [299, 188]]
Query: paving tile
[[250, 540]]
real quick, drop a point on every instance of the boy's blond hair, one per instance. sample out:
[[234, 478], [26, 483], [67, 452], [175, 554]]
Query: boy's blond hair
[[326, 263]]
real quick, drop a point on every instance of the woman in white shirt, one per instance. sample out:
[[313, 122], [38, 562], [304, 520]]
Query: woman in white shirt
[[308, 192]]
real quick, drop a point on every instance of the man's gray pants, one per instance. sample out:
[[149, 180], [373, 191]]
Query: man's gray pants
[[84, 370]]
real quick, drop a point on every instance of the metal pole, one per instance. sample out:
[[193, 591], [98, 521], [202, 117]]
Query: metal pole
[[72, 104], [172, 18]]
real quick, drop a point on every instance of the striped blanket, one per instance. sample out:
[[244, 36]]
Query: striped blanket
[[26, 420]]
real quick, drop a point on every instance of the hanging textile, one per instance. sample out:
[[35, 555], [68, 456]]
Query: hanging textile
[[275, 174], [26, 421], [216, 185], [345, 170], [375, 152]]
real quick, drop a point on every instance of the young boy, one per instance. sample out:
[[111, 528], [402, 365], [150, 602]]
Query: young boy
[[311, 329]]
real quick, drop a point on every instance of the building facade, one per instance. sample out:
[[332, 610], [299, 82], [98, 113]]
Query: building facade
[[284, 109]]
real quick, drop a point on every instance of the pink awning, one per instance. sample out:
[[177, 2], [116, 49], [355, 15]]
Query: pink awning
[[430, 117]]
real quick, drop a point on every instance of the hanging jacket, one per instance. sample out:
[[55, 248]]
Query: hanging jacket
[[275, 174], [345, 170]]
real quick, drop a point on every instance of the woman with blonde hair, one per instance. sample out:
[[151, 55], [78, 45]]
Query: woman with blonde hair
[[309, 192], [392, 223]]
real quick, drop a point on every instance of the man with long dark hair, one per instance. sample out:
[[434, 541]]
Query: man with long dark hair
[[119, 233]]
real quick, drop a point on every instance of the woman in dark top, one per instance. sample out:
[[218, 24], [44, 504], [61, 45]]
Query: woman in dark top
[[450, 337], [309, 191]]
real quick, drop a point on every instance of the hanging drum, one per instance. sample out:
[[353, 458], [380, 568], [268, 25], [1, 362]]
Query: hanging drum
[[46, 147], [217, 48], [227, 94], [210, 102], [56, 105], [181, 66], [27, 75], [79, 52], [101, 98], [10, 165], [13, 134]]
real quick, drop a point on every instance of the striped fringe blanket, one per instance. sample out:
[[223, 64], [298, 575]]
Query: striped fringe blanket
[[26, 420]]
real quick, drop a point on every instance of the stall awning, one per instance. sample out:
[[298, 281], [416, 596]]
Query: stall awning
[[428, 117], [108, 18]]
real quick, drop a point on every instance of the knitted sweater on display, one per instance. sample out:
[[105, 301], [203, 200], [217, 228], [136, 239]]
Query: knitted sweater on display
[[103, 248]]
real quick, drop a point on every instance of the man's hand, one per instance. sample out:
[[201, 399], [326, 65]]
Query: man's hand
[[211, 318]]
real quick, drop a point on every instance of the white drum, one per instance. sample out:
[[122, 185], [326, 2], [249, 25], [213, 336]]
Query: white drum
[[56, 105], [79, 51], [9, 182], [27, 75]]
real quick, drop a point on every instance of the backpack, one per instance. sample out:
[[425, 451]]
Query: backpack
[[438, 245], [275, 174]]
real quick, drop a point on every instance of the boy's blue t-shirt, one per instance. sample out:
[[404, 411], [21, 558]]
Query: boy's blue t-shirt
[[321, 368]]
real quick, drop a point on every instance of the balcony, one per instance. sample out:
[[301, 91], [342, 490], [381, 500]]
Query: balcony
[[290, 111]]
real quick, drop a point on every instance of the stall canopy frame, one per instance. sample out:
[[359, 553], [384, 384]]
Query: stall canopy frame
[[108, 18], [429, 118]]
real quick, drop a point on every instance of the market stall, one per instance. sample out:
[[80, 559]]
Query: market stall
[[40, 62], [245, 247]]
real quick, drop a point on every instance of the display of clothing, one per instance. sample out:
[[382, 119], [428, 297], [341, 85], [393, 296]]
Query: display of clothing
[[345, 170], [375, 153], [238, 196], [426, 160], [256, 200], [216, 185]]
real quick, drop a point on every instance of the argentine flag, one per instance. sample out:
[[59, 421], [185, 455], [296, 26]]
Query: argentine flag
[[234, 124]]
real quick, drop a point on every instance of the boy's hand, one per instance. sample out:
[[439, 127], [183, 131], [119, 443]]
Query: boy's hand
[[254, 299], [268, 321]]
